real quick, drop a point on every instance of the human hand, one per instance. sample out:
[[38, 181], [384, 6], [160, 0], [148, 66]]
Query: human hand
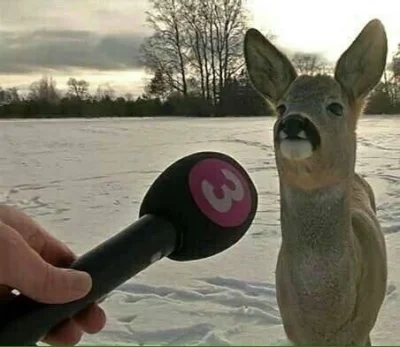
[[31, 261]]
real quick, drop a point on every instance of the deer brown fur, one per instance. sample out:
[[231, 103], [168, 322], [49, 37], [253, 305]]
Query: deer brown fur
[[331, 271]]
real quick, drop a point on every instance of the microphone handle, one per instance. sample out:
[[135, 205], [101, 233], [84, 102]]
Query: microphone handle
[[24, 321]]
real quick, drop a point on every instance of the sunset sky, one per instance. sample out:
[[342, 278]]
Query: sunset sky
[[99, 40]]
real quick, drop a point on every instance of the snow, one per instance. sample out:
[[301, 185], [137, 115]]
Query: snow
[[84, 181]]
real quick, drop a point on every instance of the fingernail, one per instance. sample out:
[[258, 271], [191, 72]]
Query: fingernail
[[81, 282]]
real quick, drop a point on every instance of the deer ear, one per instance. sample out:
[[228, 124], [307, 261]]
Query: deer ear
[[270, 71], [360, 67]]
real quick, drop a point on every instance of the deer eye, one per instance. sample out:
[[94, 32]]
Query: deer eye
[[335, 108], [281, 109]]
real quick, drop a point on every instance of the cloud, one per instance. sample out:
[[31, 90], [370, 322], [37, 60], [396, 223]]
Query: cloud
[[92, 15], [32, 51], [76, 34]]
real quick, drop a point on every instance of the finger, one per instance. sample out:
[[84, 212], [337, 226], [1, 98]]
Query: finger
[[67, 333], [92, 319], [51, 249], [23, 269]]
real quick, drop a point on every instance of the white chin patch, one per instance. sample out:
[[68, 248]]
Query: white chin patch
[[296, 149]]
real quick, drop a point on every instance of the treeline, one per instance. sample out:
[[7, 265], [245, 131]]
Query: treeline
[[237, 99], [45, 101], [191, 106]]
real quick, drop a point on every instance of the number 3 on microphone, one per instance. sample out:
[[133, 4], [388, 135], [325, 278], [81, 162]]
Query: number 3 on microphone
[[225, 203]]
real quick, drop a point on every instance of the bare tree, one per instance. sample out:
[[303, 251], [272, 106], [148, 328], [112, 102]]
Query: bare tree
[[78, 89], [196, 44], [105, 91], [311, 64], [165, 49], [215, 30], [391, 78], [157, 86], [12, 94], [8, 95], [128, 96], [44, 90]]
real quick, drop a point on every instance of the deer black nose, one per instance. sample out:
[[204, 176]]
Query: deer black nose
[[293, 124]]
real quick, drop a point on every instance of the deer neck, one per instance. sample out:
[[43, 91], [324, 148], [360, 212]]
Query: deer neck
[[316, 222]]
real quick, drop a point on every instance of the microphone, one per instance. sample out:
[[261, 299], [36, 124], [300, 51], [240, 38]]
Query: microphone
[[199, 206]]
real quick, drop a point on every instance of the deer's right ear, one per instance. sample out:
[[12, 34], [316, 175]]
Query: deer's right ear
[[361, 66], [269, 70]]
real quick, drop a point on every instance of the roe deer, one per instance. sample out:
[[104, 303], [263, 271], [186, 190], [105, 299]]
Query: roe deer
[[331, 271]]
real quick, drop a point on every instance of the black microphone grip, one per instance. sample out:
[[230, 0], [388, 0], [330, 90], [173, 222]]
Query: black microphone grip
[[138, 246]]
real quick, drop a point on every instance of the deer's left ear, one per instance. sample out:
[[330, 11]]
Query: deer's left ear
[[360, 67], [269, 70]]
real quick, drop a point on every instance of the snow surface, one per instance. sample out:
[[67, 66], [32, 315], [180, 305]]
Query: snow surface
[[84, 181]]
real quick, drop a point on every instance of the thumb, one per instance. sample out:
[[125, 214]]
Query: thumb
[[23, 269]]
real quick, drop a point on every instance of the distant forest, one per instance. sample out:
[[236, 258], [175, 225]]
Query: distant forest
[[195, 56]]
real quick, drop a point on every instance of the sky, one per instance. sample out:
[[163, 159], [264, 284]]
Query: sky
[[99, 40]]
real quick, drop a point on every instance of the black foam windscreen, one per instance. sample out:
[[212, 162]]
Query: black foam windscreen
[[209, 198]]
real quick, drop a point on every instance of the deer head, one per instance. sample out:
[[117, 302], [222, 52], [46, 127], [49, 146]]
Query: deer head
[[314, 134]]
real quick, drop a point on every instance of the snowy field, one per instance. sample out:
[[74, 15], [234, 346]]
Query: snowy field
[[84, 180]]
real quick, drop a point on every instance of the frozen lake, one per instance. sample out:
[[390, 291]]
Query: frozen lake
[[84, 181]]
